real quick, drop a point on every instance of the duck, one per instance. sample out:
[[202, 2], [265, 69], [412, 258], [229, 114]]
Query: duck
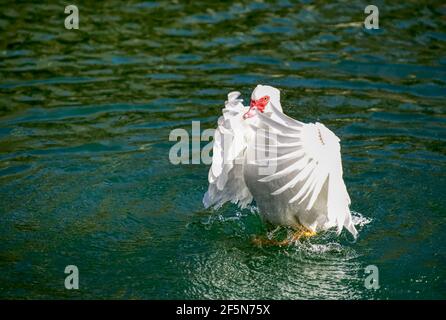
[[292, 170]]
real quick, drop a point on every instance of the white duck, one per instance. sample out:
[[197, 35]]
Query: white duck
[[293, 170]]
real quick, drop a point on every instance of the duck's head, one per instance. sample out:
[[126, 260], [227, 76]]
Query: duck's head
[[261, 98]]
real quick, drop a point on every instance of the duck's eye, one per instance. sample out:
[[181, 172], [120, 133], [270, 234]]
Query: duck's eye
[[266, 98]]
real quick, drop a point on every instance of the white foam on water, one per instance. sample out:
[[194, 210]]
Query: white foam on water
[[359, 220]]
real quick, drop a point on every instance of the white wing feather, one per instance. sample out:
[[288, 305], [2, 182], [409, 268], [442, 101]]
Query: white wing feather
[[310, 154], [226, 182]]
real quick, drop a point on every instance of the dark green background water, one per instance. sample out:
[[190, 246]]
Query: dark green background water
[[85, 117]]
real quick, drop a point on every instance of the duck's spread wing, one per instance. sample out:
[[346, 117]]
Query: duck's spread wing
[[226, 182], [309, 154]]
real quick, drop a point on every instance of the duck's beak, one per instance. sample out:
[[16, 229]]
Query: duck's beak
[[251, 112]]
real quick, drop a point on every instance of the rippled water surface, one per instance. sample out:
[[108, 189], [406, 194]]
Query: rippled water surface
[[85, 117]]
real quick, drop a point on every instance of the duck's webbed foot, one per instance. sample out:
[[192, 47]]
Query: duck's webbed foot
[[300, 232]]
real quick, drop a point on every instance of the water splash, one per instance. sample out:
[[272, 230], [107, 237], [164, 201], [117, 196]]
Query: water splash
[[359, 220]]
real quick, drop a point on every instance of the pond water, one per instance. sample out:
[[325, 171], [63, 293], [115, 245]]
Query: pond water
[[85, 177]]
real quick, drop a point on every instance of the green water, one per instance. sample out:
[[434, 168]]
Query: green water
[[85, 117]]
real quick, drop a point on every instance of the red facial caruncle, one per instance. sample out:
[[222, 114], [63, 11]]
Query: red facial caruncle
[[258, 104]]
